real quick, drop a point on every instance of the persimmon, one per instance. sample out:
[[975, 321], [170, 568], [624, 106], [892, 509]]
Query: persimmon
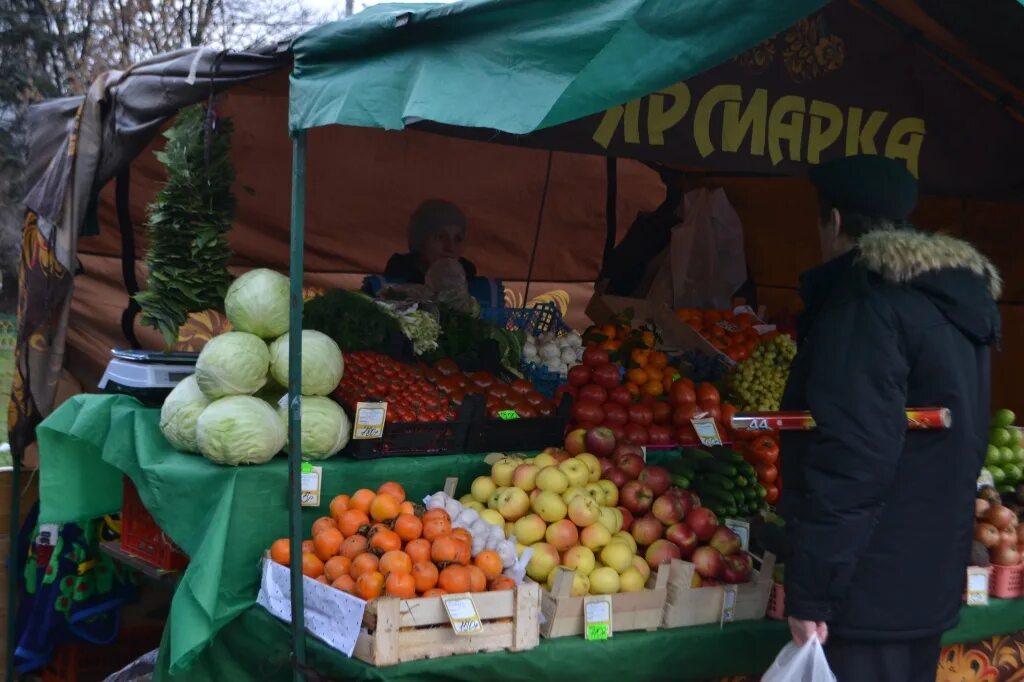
[[393, 489], [361, 500], [322, 580], [445, 550], [327, 543], [336, 567], [436, 523], [311, 565], [462, 534], [362, 564], [454, 579], [408, 527], [463, 555], [425, 574], [408, 507], [385, 540], [418, 550], [395, 561], [322, 524], [370, 585], [502, 582], [489, 562], [384, 507], [434, 592], [401, 585], [281, 551], [345, 583], [351, 521], [338, 506], [353, 546], [477, 579], [308, 546]]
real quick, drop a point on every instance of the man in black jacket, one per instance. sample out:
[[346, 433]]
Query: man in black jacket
[[880, 518]]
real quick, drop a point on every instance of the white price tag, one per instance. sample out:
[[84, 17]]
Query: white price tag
[[47, 535], [728, 604], [597, 617], [742, 529], [369, 420], [462, 614], [977, 586], [310, 480], [706, 430], [985, 479]]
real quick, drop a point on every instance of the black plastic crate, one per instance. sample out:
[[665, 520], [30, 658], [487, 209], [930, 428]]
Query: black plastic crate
[[500, 435], [416, 438]]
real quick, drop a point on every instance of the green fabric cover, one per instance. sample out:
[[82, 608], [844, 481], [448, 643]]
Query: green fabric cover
[[515, 65]]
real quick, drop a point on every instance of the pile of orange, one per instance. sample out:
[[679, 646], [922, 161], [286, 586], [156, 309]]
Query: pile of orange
[[730, 333], [612, 337], [649, 373], [379, 543]]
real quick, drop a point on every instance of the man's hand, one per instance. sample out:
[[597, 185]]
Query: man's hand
[[803, 629]]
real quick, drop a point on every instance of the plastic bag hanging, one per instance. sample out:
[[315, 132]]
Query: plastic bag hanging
[[805, 663]]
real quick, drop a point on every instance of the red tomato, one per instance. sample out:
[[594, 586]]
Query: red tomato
[[446, 367], [526, 411], [620, 395], [482, 379], [615, 414], [595, 357], [521, 386], [641, 415], [772, 495], [662, 412], [767, 473], [579, 375], [593, 393], [682, 393], [546, 409], [659, 435], [607, 376], [707, 393], [685, 435], [500, 390], [534, 398], [728, 412], [587, 411], [682, 416], [713, 411]]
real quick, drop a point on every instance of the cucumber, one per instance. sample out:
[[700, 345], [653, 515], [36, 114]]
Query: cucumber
[[723, 468], [695, 454], [681, 481], [722, 481], [741, 482], [708, 490]]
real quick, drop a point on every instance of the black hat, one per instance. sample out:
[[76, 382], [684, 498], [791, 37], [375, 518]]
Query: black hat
[[874, 186]]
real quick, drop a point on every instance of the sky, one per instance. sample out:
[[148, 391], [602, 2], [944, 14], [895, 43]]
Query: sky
[[339, 5]]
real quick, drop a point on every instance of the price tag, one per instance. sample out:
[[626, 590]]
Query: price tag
[[508, 414], [369, 420], [310, 480], [985, 479], [47, 535], [462, 614], [706, 430], [977, 586], [742, 529], [728, 604], [643, 452], [597, 617]]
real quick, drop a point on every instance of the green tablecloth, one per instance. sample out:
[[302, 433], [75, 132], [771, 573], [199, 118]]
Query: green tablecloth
[[225, 517]]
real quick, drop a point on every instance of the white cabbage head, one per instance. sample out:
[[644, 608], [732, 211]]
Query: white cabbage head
[[257, 302], [240, 429], [326, 428], [179, 413], [233, 363], [322, 365]]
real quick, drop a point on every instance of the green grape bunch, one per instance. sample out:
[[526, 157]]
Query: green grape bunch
[[756, 384]]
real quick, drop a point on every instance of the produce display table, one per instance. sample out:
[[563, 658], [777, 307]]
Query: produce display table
[[225, 517]]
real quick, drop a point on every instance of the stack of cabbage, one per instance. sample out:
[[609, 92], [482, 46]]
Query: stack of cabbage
[[215, 411]]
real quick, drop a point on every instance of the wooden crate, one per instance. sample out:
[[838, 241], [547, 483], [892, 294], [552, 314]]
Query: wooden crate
[[563, 614], [687, 605], [29, 495], [400, 630]]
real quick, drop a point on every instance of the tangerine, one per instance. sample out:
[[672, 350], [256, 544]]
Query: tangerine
[[636, 376], [462, 534], [408, 527], [322, 580], [393, 489], [395, 561], [658, 360], [345, 583], [401, 585], [418, 550], [351, 521], [281, 551], [425, 574], [322, 524], [361, 500], [477, 579], [654, 373], [454, 579], [363, 564], [653, 388], [369, 585], [353, 546], [311, 565], [489, 562], [384, 540], [384, 507], [328, 543], [336, 567]]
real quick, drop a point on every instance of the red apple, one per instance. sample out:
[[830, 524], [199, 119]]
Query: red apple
[[725, 541], [561, 455], [661, 552], [579, 376], [636, 497], [605, 463], [620, 395], [616, 476], [630, 463], [703, 522], [668, 509], [646, 529], [627, 517], [689, 500], [683, 537], [659, 435], [587, 412], [575, 442], [600, 441], [711, 583], [658, 477], [614, 413], [628, 447], [708, 562], [737, 568]]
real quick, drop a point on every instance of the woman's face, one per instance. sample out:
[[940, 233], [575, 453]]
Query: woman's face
[[443, 243]]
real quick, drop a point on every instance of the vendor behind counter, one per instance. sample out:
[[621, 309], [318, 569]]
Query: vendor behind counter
[[437, 229]]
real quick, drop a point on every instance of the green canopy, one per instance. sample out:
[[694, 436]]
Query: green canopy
[[515, 65]]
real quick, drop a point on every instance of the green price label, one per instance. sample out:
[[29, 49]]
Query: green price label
[[307, 467], [597, 631], [508, 414]]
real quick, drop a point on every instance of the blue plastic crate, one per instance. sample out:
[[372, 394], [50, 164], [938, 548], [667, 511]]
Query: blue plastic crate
[[541, 318]]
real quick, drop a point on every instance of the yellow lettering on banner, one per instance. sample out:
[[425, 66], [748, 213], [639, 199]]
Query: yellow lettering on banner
[[905, 140], [660, 119], [861, 139], [779, 129], [736, 126], [702, 119], [630, 112], [821, 136]]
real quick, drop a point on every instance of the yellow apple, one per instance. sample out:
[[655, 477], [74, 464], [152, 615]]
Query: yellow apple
[[609, 520], [571, 492], [544, 560], [597, 493], [623, 536], [529, 529], [641, 565], [580, 558], [482, 488], [513, 504], [580, 583], [550, 507], [525, 477], [617, 555], [631, 581], [493, 517], [502, 471], [577, 472], [583, 511], [595, 537], [611, 493], [552, 479], [562, 535], [593, 465], [545, 459], [604, 580], [474, 505]]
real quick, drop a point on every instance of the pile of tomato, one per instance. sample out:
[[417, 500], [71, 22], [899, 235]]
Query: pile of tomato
[[520, 396], [410, 396], [763, 452]]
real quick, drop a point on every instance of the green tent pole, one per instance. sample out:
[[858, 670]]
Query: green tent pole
[[295, 398]]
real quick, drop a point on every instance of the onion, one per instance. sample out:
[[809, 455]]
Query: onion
[[986, 534], [999, 516], [1005, 556], [981, 508]]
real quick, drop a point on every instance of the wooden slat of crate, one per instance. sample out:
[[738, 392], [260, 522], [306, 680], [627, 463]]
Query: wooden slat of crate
[[29, 495], [688, 606], [563, 614]]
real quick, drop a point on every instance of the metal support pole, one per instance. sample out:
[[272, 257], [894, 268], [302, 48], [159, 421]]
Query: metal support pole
[[298, 228]]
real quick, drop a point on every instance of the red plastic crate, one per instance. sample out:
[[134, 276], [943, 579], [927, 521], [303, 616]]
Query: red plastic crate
[[142, 537], [80, 662], [1006, 582], [777, 602]]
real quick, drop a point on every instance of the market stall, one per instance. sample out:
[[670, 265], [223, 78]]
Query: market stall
[[89, 444]]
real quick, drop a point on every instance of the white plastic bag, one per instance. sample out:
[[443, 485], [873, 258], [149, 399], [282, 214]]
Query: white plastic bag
[[805, 663]]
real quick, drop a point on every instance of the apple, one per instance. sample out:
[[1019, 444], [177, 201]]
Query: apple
[[726, 541], [510, 528], [623, 448], [525, 477], [474, 505], [737, 568], [534, 493], [580, 583], [624, 536], [616, 475], [669, 509], [581, 559], [562, 535], [482, 488], [513, 504], [600, 441], [577, 472], [630, 462], [637, 497], [604, 580], [610, 520], [553, 479], [631, 580], [661, 552], [640, 564], [584, 511], [703, 522], [545, 459], [560, 456], [544, 560], [708, 562], [466, 499], [593, 465], [575, 441], [550, 507], [617, 556], [597, 494], [627, 517], [530, 529], [573, 492], [611, 492], [492, 501], [493, 517], [657, 477], [595, 536], [696, 581], [686, 498], [619, 518], [683, 537], [502, 470], [646, 530], [605, 463]]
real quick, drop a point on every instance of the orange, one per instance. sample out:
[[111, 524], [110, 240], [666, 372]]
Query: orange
[[351, 521], [353, 546], [339, 505], [336, 567], [281, 552], [361, 500], [464, 555], [307, 546], [654, 373], [327, 543], [647, 338], [369, 585], [363, 564], [384, 507], [401, 585], [323, 523], [394, 489], [608, 331], [712, 316], [653, 387], [436, 523], [418, 550], [425, 574], [502, 582], [658, 359], [633, 389], [610, 346], [640, 357], [489, 562], [385, 540], [434, 592], [408, 527], [477, 579], [636, 376], [445, 550], [454, 579], [311, 565], [395, 561], [345, 583]]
